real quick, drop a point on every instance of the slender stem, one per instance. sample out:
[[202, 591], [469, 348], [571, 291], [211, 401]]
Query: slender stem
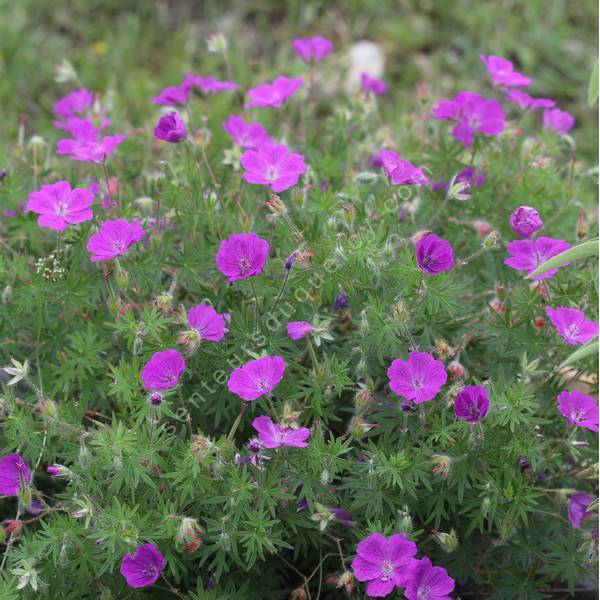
[[287, 276], [106, 180], [157, 216], [216, 185], [313, 356], [10, 542], [237, 422], [257, 314]]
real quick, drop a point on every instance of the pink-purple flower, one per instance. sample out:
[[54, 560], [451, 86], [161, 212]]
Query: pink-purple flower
[[471, 176], [209, 324], [59, 206], [274, 94], [525, 221], [242, 255], [571, 325], [175, 95], [384, 562], [428, 582], [419, 379], [372, 85], [209, 84], [74, 104], [558, 120], [114, 239], [472, 403], [400, 171], [163, 370], [256, 378], [524, 101], [312, 49], [144, 567], [14, 474], [87, 145], [434, 255], [579, 409], [474, 114], [577, 508], [503, 72], [299, 329], [273, 165], [273, 435], [246, 135], [527, 255], [170, 128]]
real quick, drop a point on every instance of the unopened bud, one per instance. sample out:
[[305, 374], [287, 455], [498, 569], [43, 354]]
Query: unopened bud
[[58, 470], [441, 465], [400, 311], [443, 350], [366, 178], [189, 534], [447, 541], [491, 240], [201, 446], [582, 226], [456, 371]]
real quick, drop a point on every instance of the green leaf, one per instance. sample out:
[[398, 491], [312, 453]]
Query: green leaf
[[584, 250], [592, 97], [587, 350]]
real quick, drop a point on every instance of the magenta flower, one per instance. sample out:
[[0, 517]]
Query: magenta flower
[[74, 125], [14, 474], [273, 165], [471, 176], [579, 409], [273, 435], [73, 104], [503, 73], [274, 94], [418, 379], [525, 221], [577, 508], [209, 84], [527, 255], [434, 255], [209, 324], [176, 95], [377, 87], [474, 114], [383, 562], [114, 239], [60, 206], [558, 120], [88, 145], [472, 403], [170, 128], [524, 101], [256, 378], [299, 329], [246, 135], [242, 255], [571, 325], [427, 582], [58, 470], [400, 171], [144, 567], [312, 49], [163, 370]]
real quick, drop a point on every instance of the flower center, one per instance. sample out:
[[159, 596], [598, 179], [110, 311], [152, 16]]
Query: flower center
[[118, 246], [244, 265], [150, 570], [169, 377], [577, 416], [417, 383], [386, 570], [61, 208], [272, 173], [424, 592], [473, 410], [263, 385], [572, 331]]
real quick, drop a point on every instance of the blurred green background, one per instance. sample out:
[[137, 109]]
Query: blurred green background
[[136, 47]]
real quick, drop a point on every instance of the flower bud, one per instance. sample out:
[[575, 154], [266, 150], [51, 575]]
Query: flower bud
[[324, 477], [443, 350], [582, 225], [46, 408], [58, 470], [163, 303], [447, 541], [299, 594], [366, 178], [525, 221], [276, 206], [156, 399], [400, 311], [456, 371], [491, 240], [12, 527], [189, 339], [483, 228], [441, 465], [188, 534], [216, 43], [201, 446]]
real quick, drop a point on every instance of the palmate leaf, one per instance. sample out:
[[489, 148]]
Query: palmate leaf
[[584, 250]]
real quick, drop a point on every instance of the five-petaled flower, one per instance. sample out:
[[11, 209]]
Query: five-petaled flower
[[256, 378], [571, 325], [273, 165], [577, 508], [14, 474], [208, 85], [312, 49], [175, 95], [163, 370], [246, 135], [207, 322], [87, 145], [434, 255], [242, 255], [114, 239], [59, 206], [273, 435], [503, 73], [419, 379], [472, 403], [559, 121], [579, 409], [428, 582], [274, 94], [400, 171], [384, 562], [372, 85], [527, 255], [144, 567], [76, 103]]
